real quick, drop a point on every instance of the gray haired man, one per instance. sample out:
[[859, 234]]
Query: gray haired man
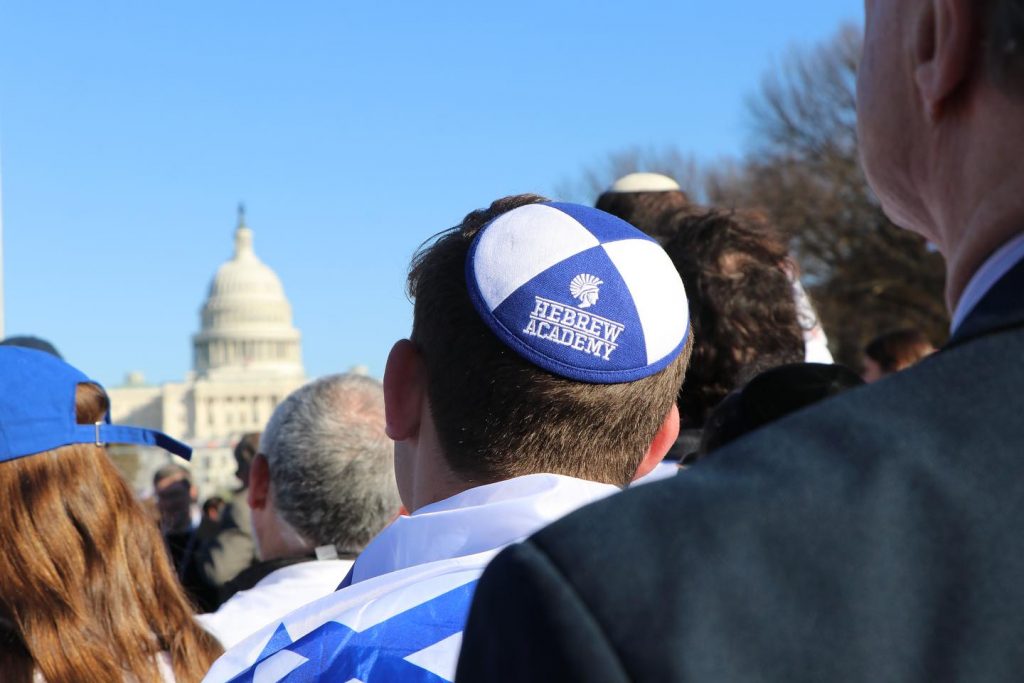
[[321, 486]]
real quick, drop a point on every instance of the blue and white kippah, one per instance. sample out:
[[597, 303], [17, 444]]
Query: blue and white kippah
[[578, 292]]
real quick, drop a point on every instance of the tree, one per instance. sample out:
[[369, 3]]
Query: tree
[[865, 275]]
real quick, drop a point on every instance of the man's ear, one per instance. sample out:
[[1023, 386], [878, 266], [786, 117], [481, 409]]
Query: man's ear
[[404, 391], [259, 482], [944, 50], [660, 445]]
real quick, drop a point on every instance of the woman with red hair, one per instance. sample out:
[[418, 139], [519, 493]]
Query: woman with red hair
[[88, 593]]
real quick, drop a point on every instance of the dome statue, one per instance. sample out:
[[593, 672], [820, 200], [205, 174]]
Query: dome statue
[[246, 321]]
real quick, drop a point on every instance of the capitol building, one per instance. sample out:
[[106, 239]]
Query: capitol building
[[246, 358]]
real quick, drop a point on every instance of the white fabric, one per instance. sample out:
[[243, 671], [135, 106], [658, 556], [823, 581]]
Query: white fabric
[[479, 519], [815, 341], [278, 593], [657, 291], [441, 547], [515, 232], [996, 266], [644, 182]]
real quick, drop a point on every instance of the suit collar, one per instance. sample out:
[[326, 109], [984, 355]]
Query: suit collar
[[1000, 308]]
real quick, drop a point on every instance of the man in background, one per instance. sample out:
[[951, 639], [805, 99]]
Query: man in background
[[894, 351], [232, 549], [179, 524], [321, 486], [642, 200]]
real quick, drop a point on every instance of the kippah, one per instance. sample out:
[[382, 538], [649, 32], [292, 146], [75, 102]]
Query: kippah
[[644, 182], [578, 292]]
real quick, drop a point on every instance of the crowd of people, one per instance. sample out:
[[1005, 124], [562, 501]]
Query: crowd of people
[[614, 447]]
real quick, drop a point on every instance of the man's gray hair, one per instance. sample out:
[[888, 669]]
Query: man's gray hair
[[331, 470]]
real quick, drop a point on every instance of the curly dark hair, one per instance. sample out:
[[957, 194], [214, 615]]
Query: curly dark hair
[[742, 310]]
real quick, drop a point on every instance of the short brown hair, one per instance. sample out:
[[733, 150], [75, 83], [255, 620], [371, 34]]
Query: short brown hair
[[1004, 44], [742, 309], [497, 415], [895, 351], [645, 210]]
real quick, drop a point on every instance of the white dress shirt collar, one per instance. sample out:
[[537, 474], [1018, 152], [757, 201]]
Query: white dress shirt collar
[[995, 267]]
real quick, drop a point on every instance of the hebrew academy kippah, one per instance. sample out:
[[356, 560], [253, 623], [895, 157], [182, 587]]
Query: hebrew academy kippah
[[578, 292]]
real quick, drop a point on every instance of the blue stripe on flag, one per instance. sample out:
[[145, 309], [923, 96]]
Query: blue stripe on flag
[[377, 655]]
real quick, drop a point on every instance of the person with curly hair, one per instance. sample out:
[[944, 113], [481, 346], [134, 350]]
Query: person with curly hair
[[741, 302]]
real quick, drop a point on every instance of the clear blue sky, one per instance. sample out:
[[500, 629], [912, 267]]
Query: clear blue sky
[[352, 131]]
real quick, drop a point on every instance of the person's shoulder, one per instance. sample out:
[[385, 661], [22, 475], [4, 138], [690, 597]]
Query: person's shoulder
[[824, 527], [952, 409]]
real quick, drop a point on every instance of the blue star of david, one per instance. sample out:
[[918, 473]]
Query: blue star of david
[[376, 655]]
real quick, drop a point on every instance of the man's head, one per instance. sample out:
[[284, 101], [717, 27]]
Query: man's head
[[742, 309], [894, 351], [175, 494], [212, 507], [940, 109], [489, 414], [323, 475], [642, 200]]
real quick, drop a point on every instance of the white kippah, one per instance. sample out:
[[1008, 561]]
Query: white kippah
[[644, 182]]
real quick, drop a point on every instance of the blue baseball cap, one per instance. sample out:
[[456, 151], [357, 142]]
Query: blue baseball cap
[[37, 409], [578, 292]]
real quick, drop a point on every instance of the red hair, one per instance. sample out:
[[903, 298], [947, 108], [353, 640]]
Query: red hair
[[88, 592]]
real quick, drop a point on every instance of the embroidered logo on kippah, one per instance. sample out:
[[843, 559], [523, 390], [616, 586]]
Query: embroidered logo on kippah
[[573, 327], [585, 288]]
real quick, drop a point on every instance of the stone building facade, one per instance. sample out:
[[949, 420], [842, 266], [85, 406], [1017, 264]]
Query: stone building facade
[[247, 357]]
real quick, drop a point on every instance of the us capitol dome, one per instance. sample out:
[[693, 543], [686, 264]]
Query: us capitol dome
[[246, 358], [246, 322]]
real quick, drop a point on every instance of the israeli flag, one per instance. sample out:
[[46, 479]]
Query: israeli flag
[[402, 618], [370, 632]]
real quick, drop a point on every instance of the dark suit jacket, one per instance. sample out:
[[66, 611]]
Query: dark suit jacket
[[875, 537]]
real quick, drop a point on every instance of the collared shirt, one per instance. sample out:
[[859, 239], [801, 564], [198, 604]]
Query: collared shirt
[[995, 267], [275, 595], [403, 614]]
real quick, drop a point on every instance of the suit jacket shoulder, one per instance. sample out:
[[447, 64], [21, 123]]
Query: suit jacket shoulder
[[874, 537]]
